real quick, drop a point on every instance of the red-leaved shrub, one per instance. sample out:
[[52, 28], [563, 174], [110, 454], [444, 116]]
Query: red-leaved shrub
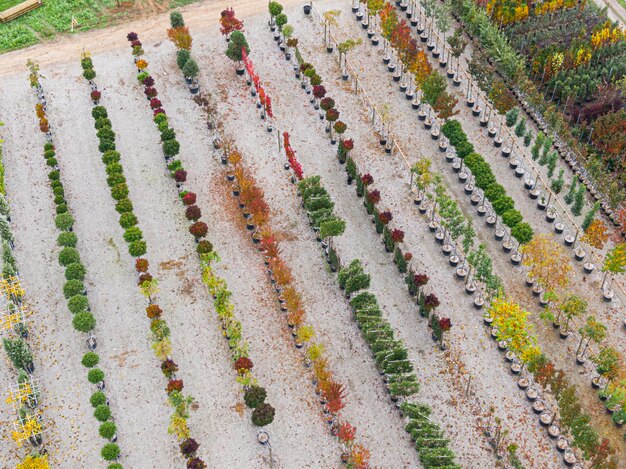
[[189, 198], [193, 212], [199, 229]]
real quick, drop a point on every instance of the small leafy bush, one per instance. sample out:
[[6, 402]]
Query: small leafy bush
[[171, 148], [107, 430], [78, 303], [75, 271], [99, 112], [67, 239], [124, 206], [110, 452], [263, 415], [111, 156], [72, 288], [204, 247], [84, 321], [254, 396], [133, 234], [68, 255], [64, 221], [97, 398], [137, 248], [127, 220], [95, 375], [102, 412], [90, 359]]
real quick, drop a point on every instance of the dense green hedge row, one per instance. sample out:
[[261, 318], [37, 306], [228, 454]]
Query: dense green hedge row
[[502, 204], [77, 302]]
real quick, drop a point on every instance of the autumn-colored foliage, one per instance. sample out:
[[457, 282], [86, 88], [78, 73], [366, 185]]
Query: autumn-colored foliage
[[596, 234], [228, 22], [180, 37], [243, 365], [548, 262], [141, 265]]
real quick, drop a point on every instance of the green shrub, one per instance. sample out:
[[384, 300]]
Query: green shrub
[[204, 247], [97, 398], [102, 123], [398, 258], [107, 430], [160, 118], [133, 234], [95, 375], [115, 465], [61, 208], [168, 134], [106, 145], [89, 74], [59, 199], [84, 321], [102, 412], [67, 239], [64, 221], [114, 168], [48, 146], [263, 415], [90, 359], [356, 283], [99, 112], [127, 220], [522, 232], [111, 156], [106, 133], [110, 452], [511, 218], [58, 189], [54, 175], [72, 288], [528, 138], [176, 19], [124, 206], [119, 192], [137, 248], [182, 56], [68, 256], [511, 117], [171, 148], [78, 303], [503, 204], [52, 162], [463, 149], [191, 68], [49, 154], [254, 396], [164, 125], [115, 179], [75, 271], [579, 200], [520, 128]]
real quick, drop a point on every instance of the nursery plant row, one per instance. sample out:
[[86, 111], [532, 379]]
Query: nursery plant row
[[25, 395], [254, 397], [550, 365], [74, 289], [148, 284]]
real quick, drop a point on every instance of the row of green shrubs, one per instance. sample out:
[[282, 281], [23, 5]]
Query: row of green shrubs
[[502, 204], [75, 293], [320, 210], [390, 353], [117, 182]]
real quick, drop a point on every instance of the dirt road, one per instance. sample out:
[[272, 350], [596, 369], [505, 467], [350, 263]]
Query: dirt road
[[68, 47]]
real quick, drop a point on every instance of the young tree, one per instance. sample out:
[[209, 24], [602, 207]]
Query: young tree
[[433, 87], [572, 307], [548, 262], [236, 44], [608, 362], [444, 106], [593, 330], [615, 261]]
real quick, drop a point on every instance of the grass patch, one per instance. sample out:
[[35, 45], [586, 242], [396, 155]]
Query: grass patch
[[6, 4]]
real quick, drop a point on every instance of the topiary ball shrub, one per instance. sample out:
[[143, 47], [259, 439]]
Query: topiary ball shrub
[[182, 56], [115, 179], [67, 239], [263, 415], [128, 220], [124, 206], [110, 452], [196, 463], [168, 134], [64, 222], [68, 255], [54, 175], [90, 359], [102, 123], [204, 247], [98, 398], [78, 303], [111, 156], [137, 248], [107, 430], [84, 321], [61, 208], [115, 465], [189, 198], [193, 212], [199, 229], [106, 145], [171, 148], [114, 168], [119, 192], [160, 118], [102, 412], [254, 396], [133, 234], [189, 447], [72, 288], [180, 175], [95, 375], [75, 271], [99, 112], [141, 265]]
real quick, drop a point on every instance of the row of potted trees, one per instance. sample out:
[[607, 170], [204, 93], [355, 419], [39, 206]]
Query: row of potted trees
[[263, 412], [74, 289], [391, 355], [147, 283]]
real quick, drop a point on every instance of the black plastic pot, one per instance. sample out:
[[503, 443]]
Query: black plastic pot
[[307, 9]]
